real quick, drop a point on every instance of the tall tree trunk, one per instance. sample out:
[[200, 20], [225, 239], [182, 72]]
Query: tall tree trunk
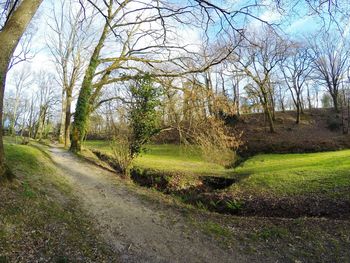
[[12, 125], [297, 121], [281, 99], [10, 36], [67, 119], [236, 98], [272, 108], [335, 101], [23, 127], [267, 107], [41, 123], [61, 137], [269, 118], [14, 115], [4, 172], [283, 108], [83, 107], [209, 87], [309, 97], [30, 124], [302, 104]]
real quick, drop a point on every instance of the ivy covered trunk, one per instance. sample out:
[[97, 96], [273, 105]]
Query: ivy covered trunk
[[82, 112], [83, 107], [67, 119], [9, 37]]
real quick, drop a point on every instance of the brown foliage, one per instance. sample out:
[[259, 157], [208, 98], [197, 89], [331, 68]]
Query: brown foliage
[[216, 141]]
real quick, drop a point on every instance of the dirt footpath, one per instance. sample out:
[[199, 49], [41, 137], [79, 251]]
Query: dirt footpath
[[136, 229]]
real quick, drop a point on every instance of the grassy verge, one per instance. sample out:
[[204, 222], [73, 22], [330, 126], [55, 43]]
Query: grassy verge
[[40, 218]]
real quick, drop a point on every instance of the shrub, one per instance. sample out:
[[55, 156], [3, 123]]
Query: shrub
[[334, 124], [142, 122], [121, 152], [217, 143], [142, 114], [234, 205]]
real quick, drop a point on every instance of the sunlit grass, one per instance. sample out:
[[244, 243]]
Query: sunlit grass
[[169, 158], [326, 172], [277, 174]]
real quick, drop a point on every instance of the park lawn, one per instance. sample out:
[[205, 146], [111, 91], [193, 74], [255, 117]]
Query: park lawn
[[169, 158], [273, 174], [288, 174]]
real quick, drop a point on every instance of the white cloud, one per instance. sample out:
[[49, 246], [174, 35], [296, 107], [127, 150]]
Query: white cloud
[[271, 16], [299, 24]]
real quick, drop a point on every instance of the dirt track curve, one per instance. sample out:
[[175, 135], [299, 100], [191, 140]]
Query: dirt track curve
[[138, 230]]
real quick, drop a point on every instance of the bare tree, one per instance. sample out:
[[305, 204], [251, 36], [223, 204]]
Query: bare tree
[[330, 64], [68, 43], [296, 70], [47, 97], [24, 51], [21, 82], [258, 60], [236, 81]]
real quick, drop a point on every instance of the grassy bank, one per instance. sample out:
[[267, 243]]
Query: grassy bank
[[289, 174], [169, 158], [273, 174], [286, 185], [40, 217]]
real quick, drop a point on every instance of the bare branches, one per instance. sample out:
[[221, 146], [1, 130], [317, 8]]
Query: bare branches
[[8, 7], [330, 64], [296, 69], [25, 52]]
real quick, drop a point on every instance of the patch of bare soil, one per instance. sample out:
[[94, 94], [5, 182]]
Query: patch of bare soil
[[137, 229], [319, 130], [312, 205]]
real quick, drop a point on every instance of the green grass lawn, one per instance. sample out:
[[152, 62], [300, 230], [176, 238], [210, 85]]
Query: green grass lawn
[[277, 174], [169, 158], [326, 172]]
